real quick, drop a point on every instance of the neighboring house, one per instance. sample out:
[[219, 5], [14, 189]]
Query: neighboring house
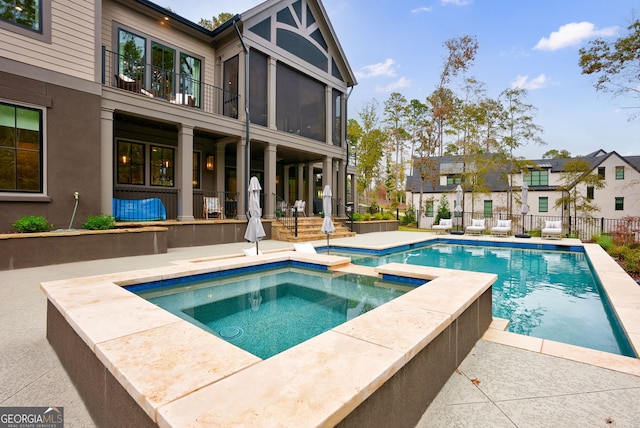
[[132, 101], [619, 198]]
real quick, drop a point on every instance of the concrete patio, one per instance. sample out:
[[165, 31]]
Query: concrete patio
[[506, 381]]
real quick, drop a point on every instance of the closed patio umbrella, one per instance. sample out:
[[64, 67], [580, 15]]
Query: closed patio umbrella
[[458, 207], [255, 231], [327, 225], [524, 209]]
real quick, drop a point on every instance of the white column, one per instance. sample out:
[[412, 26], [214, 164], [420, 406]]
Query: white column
[[311, 185], [240, 179], [269, 186], [285, 185], [271, 93], [327, 172], [341, 185], [219, 161], [106, 160], [184, 176], [300, 182]]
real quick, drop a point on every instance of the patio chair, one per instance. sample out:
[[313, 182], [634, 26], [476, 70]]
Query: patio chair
[[445, 225], [299, 206], [211, 207], [477, 227], [503, 228], [552, 230], [127, 83]]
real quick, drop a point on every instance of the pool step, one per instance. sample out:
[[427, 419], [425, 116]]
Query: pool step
[[309, 230]]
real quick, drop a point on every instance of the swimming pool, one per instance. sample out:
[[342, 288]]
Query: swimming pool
[[549, 294], [271, 311]]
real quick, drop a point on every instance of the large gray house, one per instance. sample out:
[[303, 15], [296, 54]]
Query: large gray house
[[124, 99]]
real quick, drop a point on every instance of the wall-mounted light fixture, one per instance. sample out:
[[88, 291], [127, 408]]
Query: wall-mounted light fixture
[[210, 163]]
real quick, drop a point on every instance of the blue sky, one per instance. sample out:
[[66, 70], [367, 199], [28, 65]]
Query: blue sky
[[398, 46]]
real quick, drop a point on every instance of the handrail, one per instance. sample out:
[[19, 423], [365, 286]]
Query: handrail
[[166, 85], [283, 211]]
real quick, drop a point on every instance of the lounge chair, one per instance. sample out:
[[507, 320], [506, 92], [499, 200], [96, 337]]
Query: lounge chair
[[252, 252], [503, 228], [211, 207], [552, 229], [445, 225], [305, 248], [477, 227]]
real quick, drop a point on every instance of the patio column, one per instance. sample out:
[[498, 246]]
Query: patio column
[[106, 160], [311, 185], [269, 185], [220, 170], [241, 186], [185, 173], [327, 172], [341, 186], [285, 185], [300, 182]]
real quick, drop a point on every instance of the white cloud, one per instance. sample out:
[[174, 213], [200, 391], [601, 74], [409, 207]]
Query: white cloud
[[524, 82], [572, 34], [399, 84], [421, 9], [380, 69], [456, 2]]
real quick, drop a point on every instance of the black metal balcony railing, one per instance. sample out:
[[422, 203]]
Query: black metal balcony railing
[[166, 85]]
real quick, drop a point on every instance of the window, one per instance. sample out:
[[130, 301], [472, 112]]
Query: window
[[620, 173], [230, 90], [543, 204], [258, 84], [429, 209], [21, 145], [25, 13], [537, 178], [619, 204], [132, 51], [162, 163], [601, 171], [590, 193], [196, 170], [336, 119], [454, 179], [130, 169], [162, 71], [488, 208], [190, 78], [300, 104]]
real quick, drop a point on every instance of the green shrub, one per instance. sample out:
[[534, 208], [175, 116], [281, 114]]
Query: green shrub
[[366, 217], [409, 216], [357, 217], [605, 241], [377, 216], [388, 216], [31, 224], [100, 222]]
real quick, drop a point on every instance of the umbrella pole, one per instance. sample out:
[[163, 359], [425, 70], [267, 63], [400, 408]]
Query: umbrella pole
[[327, 243]]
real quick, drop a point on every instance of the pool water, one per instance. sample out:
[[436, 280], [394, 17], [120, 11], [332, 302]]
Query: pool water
[[270, 312], [547, 294]]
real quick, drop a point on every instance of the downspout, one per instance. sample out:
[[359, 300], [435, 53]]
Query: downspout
[[247, 149]]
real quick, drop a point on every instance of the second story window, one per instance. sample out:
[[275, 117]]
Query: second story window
[[131, 57], [601, 171], [230, 95], [163, 70], [454, 179], [25, 13], [590, 192], [537, 178], [620, 173]]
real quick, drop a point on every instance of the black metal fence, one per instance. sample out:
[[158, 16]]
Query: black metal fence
[[166, 85], [580, 227]]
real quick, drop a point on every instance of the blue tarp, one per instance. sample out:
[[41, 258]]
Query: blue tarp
[[139, 209]]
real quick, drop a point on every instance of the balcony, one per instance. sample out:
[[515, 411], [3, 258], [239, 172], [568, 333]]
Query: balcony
[[166, 85]]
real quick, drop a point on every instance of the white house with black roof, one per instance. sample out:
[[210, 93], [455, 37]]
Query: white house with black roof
[[501, 193]]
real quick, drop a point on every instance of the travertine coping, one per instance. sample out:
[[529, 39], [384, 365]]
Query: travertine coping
[[183, 376]]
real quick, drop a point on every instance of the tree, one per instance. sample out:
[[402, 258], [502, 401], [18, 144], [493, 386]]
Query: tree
[[519, 128], [370, 147], [461, 54], [395, 110], [577, 176], [616, 65], [216, 21], [556, 154], [443, 209]]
